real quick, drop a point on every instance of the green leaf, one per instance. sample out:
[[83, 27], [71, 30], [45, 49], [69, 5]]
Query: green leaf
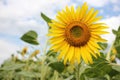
[[69, 78], [29, 74], [118, 51], [113, 72], [4, 75], [116, 67], [99, 68], [47, 19], [51, 53], [98, 78], [114, 32], [116, 77], [103, 45], [30, 37], [82, 77], [7, 62], [119, 28], [12, 67], [117, 34], [58, 66]]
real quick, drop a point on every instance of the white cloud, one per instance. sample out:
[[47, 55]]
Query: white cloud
[[115, 1], [19, 16], [22, 8], [97, 3], [116, 8], [101, 11], [113, 23], [6, 49]]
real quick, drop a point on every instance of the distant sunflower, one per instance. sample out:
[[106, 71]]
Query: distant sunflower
[[75, 34]]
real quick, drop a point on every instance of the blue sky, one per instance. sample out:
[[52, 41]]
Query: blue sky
[[20, 16]]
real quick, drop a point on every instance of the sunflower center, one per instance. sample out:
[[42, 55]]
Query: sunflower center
[[77, 34], [76, 31]]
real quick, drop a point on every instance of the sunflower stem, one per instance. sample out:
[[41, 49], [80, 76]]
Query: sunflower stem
[[109, 52], [45, 49], [78, 71]]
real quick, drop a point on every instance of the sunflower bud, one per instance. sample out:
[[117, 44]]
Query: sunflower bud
[[24, 51], [112, 58], [114, 51], [34, 53]]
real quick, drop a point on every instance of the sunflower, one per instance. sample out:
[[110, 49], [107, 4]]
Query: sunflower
[[75, 34]]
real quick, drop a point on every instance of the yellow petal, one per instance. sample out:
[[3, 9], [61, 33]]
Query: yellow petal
[[94, 44], [64, 18], [88, 56], [102, 40], [55, 38], [68, 12], [95, 14], [83, 55], [66, 55], [93, 48], [77, 13], [56, 41], [57, 24], [97, 38], [72, 61], [92, 16], [56, 31], [64, 50], [61, 19], [67, 17], [73, 12], [94, 20], [70, 53], [89, 14], [96, 25], [98, 28], [83, 10], [99, 32], [77, 54], [58, 46], [55, 35], [91, 51]]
